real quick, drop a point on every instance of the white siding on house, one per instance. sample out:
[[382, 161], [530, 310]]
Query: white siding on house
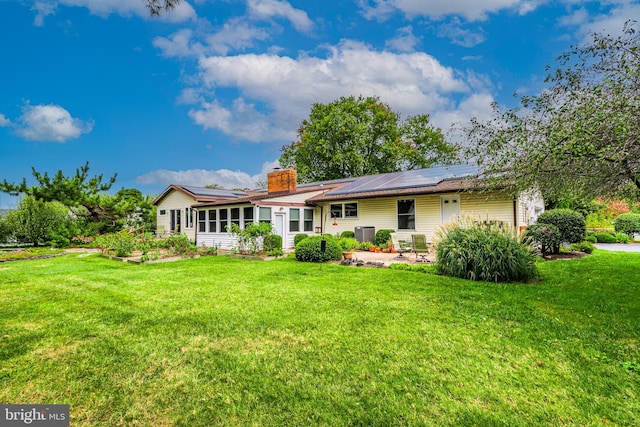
[[382, 213], [225, 240], [493, 207], [530, 206], [179, 201]]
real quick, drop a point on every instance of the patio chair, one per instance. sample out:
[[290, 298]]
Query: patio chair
[[420, 247], [400, 245]]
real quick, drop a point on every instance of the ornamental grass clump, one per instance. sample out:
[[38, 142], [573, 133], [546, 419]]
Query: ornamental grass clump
[[484, 251]]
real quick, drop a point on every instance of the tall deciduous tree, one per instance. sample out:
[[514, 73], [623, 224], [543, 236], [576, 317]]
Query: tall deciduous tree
[[362, 136], [35, 221], [581, 136]]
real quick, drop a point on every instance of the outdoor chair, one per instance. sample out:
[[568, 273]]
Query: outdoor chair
[[400, 245], [420, 247]]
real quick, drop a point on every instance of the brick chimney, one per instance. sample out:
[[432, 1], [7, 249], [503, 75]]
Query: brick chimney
[[282, 181]]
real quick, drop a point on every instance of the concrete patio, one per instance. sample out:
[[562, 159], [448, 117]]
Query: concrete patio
[[391, 258]]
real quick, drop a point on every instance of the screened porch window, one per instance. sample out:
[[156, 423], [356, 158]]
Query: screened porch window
[[212, 221], [224, 219], [235, 216], [247, 215], [202, 221]]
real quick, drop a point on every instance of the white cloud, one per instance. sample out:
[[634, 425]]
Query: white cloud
[[267, 9], [471, 10], [4, 122], [405, 41], [50, 123], [235, 34], [610, 23], [43, 10], [277, 92], [461, 36], [182, 12], [179, 44], [200, 177]]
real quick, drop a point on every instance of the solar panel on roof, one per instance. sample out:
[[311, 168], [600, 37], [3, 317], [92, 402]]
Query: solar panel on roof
[[406, 179], [214, 192]]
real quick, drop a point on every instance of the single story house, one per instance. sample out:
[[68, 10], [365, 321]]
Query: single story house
[[416, 201]]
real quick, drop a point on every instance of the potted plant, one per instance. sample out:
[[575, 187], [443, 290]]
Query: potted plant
[[348, 245]]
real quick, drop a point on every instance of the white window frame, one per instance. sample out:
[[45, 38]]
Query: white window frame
[[343, 210]]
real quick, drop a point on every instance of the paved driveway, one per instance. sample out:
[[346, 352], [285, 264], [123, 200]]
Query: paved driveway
[[628, 247]]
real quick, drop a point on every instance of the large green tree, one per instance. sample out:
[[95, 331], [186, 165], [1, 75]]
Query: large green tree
[[79, 192], [362, 136], [36, 221], [578, 138], [86, 197]]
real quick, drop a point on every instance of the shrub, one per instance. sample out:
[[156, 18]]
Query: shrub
[[348, 244], [546, 236], [309, 250], [348, 234], [178, 243], [623, 238], [364, 246], [383, 236], [483, 252], [104, 242], [571, 224], [298, 238], [591, 238], [628, 223], [605, 237], [272, 242], [584, 246], [123, 244], [247, 238]]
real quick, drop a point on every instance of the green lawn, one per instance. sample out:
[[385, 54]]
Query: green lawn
[[226, 341]]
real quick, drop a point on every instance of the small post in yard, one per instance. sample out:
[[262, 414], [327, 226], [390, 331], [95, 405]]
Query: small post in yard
[[323, 249]]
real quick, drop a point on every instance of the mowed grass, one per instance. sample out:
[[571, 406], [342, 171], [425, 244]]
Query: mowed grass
[[222, 341]]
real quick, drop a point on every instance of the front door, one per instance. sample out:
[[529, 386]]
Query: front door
[[449, 208], [279, 225]]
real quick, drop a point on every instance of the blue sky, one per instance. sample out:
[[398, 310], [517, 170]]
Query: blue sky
[[211, 92]]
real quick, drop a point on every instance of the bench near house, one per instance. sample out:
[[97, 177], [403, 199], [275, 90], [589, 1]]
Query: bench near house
[[417, 201]]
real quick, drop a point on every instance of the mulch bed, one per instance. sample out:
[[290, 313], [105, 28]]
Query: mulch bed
[[565, 255]]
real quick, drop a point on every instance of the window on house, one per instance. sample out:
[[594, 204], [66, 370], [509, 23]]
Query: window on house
[[308, 220], [202, 221], [336, 210], [247, 214], [175, 224], [407, 214], [163, 212], [223, 217], [213, 221], [188, 214], [235, 216], [350, 210], [344, 210], [264, 215], [294, 220]]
